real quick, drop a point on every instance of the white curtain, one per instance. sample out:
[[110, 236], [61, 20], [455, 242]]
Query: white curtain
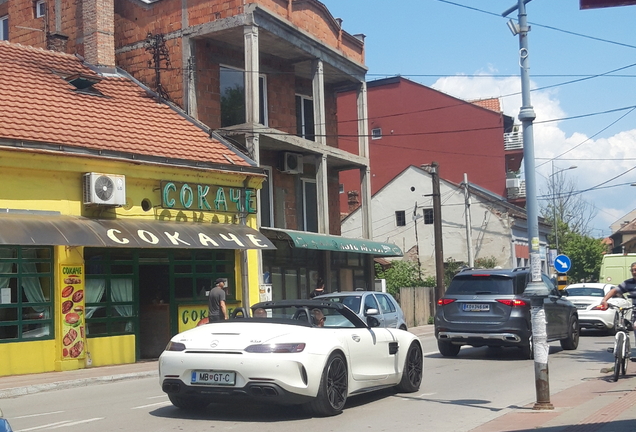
[[31, 285], [94, 292], [5, 267], [121, 291]]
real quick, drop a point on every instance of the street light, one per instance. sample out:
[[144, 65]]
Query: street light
[[556, 224]]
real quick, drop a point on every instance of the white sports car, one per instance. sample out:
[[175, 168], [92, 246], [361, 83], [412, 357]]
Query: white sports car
[[310, 352], [587, 299]]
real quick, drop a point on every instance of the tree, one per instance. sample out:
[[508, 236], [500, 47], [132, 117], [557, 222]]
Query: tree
[[402, 274], [586, 254]]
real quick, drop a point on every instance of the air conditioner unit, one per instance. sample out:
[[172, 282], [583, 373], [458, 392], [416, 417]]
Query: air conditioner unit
[[513, 183], [104, 189], [292, 163]]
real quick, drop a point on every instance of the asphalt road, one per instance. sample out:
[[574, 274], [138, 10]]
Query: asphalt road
[[458, 394]]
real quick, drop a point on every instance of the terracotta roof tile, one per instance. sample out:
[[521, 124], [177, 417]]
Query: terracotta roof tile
[[38, 104], [491, 104]]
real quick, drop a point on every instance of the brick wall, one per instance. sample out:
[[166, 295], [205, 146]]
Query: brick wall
[[98, 17]]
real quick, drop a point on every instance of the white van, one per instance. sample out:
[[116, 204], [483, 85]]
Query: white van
[[615, 268]]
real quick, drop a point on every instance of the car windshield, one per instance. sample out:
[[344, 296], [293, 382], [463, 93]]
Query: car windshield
[[588, 292], [302, 315], [352, 302], [478, 284]]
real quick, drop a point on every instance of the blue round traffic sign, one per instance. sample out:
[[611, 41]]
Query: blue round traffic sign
[[562, 263]]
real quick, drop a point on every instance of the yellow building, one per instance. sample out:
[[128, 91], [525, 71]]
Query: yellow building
[[117, 212]]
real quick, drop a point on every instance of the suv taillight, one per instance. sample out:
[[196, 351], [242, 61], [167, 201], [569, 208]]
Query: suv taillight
[[445, 301], [513, 303]]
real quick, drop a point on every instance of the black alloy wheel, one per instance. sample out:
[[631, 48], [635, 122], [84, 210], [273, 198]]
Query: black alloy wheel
[[332, 394], [413, 367]]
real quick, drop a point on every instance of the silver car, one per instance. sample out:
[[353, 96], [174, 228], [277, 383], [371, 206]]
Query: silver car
[[370, 304]]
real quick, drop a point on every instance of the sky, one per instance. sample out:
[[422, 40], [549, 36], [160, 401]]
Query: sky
[[582, 73]]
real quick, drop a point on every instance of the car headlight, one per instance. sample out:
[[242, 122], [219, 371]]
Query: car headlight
[[276, 348], [175, 346]]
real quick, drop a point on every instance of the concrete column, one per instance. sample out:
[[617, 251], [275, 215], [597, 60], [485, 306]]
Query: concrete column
[[322, 194], [363, 150], [320, 125], [250, 35]]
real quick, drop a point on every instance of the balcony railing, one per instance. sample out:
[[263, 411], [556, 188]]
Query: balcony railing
[[520, 192], [513, 141]]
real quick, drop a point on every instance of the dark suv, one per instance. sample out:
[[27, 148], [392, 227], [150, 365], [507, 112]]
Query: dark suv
[[487, 308]]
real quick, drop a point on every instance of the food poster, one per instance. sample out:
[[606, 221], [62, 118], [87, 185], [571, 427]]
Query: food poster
[[72, 308]]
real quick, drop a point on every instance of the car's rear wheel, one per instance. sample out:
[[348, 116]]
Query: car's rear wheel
[[413, 367], [447, 349], [188, 403], [612, 331], [332, 394], [572, 341]]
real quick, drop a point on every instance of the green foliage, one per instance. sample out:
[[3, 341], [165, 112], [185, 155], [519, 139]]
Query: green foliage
[[451, 267], [486, 262], [401, 274], [586, 254]]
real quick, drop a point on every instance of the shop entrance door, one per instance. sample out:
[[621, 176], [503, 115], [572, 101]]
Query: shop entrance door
[[154, 309]]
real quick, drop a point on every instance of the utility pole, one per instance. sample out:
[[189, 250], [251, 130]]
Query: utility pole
[[433, 170], [469, 228], [536, 290]]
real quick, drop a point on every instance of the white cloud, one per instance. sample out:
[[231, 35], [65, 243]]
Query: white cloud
[[551, 141]]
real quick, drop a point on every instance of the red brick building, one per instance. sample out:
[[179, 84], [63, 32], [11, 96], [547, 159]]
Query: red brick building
[[411, 124], [263, 74]]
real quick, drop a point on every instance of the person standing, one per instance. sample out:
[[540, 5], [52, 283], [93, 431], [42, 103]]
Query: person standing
[[320, 288], [626, 287], [216, 302]]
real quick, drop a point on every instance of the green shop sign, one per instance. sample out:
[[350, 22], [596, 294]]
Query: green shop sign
[[183, 196]]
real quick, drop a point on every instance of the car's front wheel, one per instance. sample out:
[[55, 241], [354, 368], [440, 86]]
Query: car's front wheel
[[188, 403], [332, 394], [447, 349], [572, 341], [413, 367]]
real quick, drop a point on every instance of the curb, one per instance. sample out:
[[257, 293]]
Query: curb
[[81, 382]]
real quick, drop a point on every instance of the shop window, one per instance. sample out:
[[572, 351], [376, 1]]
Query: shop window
[[305, 118], [4, 27], [26, 284], [428, 216], [232, 83]]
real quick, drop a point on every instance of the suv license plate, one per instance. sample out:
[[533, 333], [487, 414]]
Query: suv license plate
[[213, 377], [475, 307]]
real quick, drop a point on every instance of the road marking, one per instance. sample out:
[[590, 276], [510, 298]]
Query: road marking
[[78, 422], [38, 415], [151, 405], [157, 397], [44, 426]]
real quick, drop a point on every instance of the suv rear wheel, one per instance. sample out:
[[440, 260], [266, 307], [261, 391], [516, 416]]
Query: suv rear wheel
[[572, 341], [447, 349]]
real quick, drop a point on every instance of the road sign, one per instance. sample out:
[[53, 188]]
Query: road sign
[[562, 263]]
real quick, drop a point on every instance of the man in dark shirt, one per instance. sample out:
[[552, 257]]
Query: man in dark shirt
[[626, 287], [320, 288], [216, 302]]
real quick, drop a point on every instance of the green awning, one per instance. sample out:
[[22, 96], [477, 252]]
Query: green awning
[[310, 240]]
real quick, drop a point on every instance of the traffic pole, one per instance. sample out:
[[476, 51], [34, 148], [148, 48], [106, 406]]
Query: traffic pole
[[536, 290]]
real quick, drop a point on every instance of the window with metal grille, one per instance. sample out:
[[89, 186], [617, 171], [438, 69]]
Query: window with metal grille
[[428, 216], [400, 218]]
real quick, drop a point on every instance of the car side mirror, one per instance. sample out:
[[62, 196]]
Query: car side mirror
[[373, 321], [371, 311]]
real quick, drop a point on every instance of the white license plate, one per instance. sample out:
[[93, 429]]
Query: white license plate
[[475, 307], [213, 377]]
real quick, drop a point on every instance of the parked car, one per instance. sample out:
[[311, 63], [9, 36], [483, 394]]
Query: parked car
[[290, 356], [587, 297], [381, 306], [4, 424], [488, 308]]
